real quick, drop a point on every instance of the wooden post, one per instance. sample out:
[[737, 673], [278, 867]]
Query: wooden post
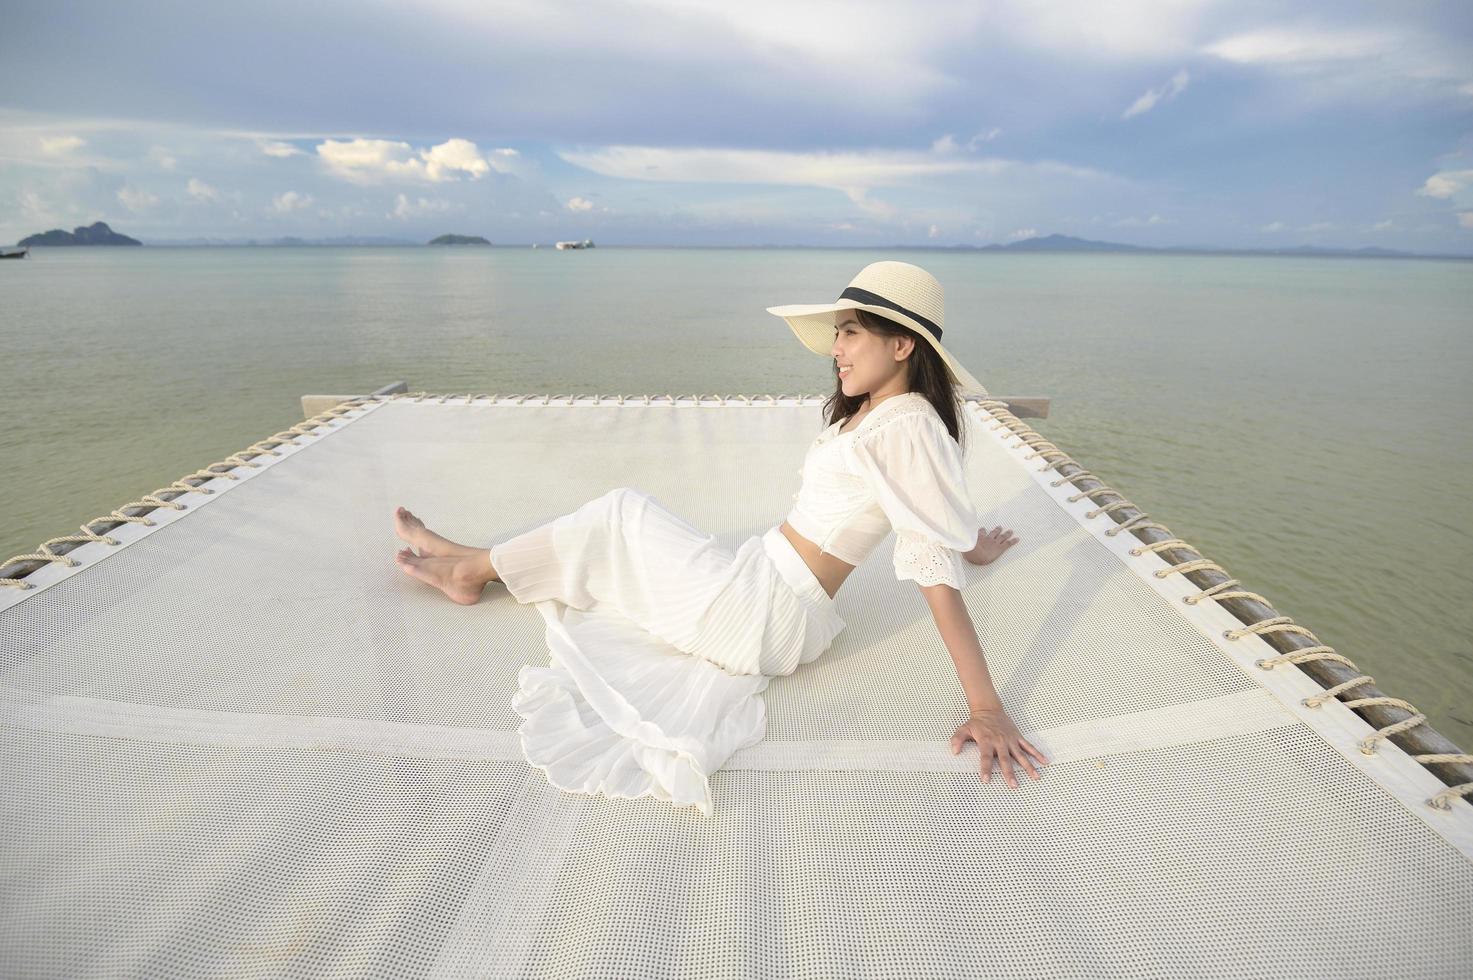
[[1025, 406], [317, 404]]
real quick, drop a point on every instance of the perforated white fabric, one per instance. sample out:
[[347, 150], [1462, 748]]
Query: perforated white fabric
[[244, 744]]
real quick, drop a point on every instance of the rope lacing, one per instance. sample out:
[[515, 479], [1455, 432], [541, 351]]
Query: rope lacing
[[1443, 799], [598, 398], [44, 554], [1042, 448], [1138, 521], [1217, 592], [150, 501]]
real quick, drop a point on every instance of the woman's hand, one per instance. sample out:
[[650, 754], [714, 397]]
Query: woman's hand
[[991, 544], [996, 735]]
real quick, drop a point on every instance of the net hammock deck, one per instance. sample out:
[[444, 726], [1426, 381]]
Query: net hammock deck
[[240, 742]]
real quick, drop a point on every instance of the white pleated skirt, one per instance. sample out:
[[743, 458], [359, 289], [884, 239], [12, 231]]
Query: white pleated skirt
[[660, 644]]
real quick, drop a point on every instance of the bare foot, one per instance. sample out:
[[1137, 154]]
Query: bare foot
[[452, 575], [413, 531]]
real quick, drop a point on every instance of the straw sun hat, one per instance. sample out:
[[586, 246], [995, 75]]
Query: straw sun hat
[[898, 291]]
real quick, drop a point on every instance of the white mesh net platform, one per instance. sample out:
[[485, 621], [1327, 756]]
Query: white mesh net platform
[[241, 743]]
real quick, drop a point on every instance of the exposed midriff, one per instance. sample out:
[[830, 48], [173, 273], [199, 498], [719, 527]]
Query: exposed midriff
[[830, 570]]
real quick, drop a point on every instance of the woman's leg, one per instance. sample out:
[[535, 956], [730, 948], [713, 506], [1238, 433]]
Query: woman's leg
[[427, 543], [622, 549], [625, 552], [458, 570]]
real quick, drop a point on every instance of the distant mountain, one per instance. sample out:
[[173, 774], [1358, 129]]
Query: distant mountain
[[97, 233], [1061, 243], [1317, 250], [1066, 243], [339, 240], [191, 241], [344, 240], [459, 240]]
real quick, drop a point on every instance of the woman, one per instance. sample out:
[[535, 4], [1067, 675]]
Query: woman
[[661, 641]]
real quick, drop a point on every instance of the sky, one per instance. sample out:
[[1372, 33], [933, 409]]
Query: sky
[[706, 122]]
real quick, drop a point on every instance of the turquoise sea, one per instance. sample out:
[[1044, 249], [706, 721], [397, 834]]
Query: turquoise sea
[[1305, 422]]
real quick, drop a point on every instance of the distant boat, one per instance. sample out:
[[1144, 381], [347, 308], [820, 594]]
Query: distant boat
[[15, 253], [586, 243]]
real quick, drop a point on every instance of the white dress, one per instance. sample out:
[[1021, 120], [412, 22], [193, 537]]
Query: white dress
[[661, 641]]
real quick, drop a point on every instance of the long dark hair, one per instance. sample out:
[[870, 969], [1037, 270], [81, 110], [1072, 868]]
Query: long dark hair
[[928, 377]]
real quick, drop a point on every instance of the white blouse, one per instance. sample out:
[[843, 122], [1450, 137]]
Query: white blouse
[[898, 469]]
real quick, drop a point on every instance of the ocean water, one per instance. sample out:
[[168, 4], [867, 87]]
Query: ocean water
[[1305, 422]]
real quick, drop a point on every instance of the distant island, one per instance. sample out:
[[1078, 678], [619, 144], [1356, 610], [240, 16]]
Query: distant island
[[1067, 243], [1060, 243], [97, 233], [289, 240], [459, 240]]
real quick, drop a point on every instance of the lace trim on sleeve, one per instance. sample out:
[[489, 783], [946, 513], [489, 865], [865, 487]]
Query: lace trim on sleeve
[[927, 562]]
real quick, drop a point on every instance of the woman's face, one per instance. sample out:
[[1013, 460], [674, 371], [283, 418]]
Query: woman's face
[[866, 361]]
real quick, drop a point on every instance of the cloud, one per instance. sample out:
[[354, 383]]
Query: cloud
[[1382, 225], [810, 51], [1024, 233], [1152, 96], [404, 208], [985, 137], [162, 157], [934, 231], [369, 161], [578, 204], [947, 144], [1273, 227], [60, 145], [279, 149], [453, 156], [35, 210], [859, 197], [201, 191], [852, 172], [1155, 219], [136, 199], [1125, 30], [1275, 46], [510, 161], [290, 201], [1361, 64], [1445, 183]]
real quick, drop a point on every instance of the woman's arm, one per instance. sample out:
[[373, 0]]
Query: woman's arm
[[989, 725], [960, 637]]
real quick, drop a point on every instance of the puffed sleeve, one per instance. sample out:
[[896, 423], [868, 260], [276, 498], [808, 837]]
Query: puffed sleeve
[[913, 467]]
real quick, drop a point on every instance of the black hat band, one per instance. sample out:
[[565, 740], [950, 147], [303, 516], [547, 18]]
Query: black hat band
[[875, 299]]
